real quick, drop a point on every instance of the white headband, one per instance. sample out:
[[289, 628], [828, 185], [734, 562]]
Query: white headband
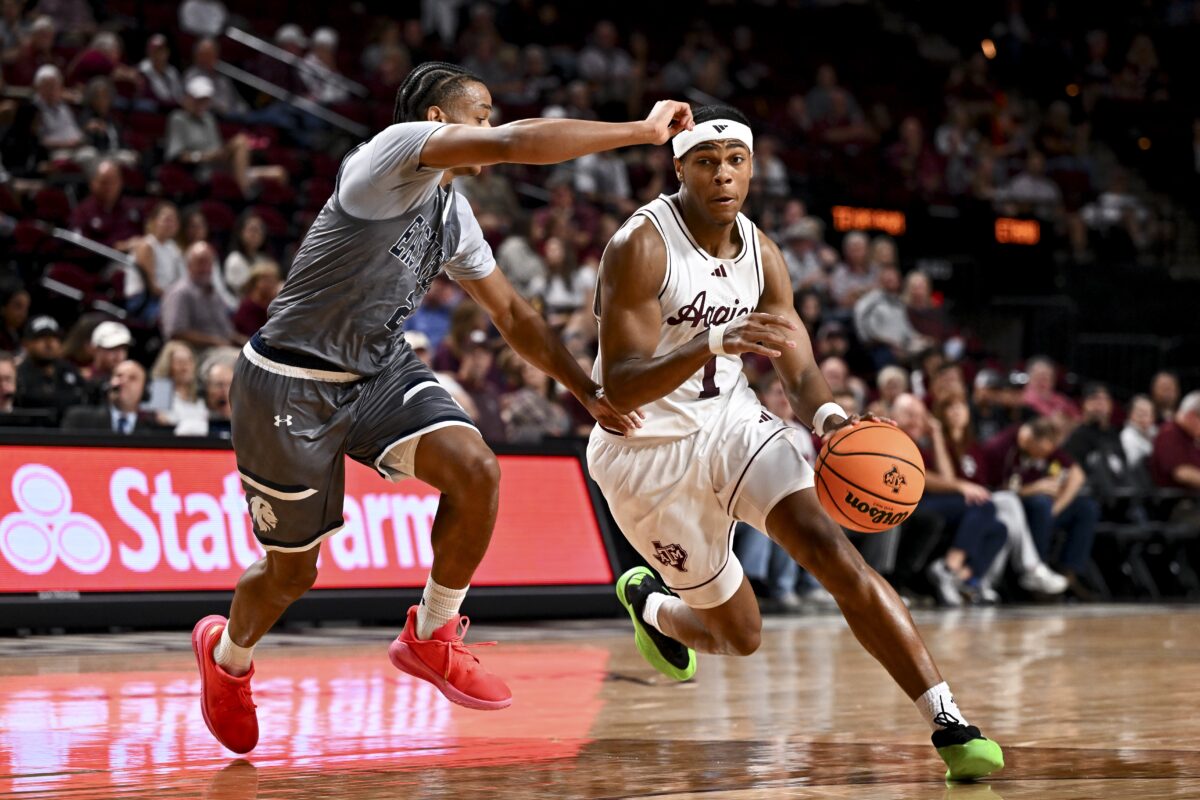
[[712, 131]]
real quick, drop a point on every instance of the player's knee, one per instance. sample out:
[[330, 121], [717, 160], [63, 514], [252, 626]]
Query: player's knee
[[294, 574], [477, 474], [745, 641]]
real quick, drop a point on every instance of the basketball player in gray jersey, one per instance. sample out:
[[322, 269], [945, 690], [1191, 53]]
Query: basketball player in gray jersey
[[329, 375]]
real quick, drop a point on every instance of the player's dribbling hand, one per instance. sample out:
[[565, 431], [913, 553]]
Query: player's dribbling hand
[[854, 420], [765, 334], [667, 118], [603, 412]]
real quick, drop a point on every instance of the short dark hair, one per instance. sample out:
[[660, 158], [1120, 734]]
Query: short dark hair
[[706, 113], [1044, 428], [429, 84]]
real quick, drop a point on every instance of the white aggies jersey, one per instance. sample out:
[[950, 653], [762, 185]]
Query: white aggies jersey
[[698, 291]]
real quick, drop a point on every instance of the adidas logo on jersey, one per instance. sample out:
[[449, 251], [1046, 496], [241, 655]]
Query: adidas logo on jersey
[[720, 272]]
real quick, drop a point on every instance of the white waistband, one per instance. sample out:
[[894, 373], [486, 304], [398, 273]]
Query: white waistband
[[287, 370]]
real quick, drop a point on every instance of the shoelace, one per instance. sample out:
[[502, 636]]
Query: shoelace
[[946, 720], [458, 646]]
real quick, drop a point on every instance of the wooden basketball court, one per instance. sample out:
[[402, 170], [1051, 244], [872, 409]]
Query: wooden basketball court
[[1090, 702]]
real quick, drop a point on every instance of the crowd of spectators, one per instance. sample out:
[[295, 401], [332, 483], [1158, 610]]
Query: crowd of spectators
[[204, 187]]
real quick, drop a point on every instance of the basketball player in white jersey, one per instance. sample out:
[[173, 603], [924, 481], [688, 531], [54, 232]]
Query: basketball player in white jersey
[[686, 286]]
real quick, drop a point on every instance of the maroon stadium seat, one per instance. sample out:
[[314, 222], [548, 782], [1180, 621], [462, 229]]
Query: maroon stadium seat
[[223, 187], [221, 218], [177, 183], [51, 204], [277, 226]]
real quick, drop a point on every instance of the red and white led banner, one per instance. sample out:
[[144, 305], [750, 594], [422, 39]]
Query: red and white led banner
[[129, 520]]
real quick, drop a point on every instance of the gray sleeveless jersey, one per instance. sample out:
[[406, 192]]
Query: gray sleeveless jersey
[[373, 252]]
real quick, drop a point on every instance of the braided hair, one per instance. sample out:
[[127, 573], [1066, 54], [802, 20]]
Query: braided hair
[[429, 84], [705, 113]]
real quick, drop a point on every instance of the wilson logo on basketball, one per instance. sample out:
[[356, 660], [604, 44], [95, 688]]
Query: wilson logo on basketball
[[894, 479], [671, 555], [879, 516]]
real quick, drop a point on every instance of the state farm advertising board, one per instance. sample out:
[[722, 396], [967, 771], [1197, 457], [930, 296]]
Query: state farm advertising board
[[127, 519]]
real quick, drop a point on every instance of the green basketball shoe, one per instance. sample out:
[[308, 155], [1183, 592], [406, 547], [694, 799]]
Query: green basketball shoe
[[968, 755], [664, 653]]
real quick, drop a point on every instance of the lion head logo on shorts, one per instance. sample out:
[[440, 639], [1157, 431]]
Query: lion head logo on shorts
[[894, 479], [262, 514], [671, 555]]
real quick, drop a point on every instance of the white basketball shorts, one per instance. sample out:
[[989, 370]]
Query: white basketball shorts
[[677, 501]]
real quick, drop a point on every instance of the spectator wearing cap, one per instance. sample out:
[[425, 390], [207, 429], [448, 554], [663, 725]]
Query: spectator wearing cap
[[119, 412], [1164, 392], [1175, 460], [1040, 394], [203, 17], [193, 139], [855, 275], [1096, 446], [162, 78], [992, 406], [257, 293], [881, 320], [1028, 460], [191, 309], [110, 346], [807, 258], [226, 102], [58, 131], [106, 215], [45, 379], [321, 78], [1137, 437], [14, 312]]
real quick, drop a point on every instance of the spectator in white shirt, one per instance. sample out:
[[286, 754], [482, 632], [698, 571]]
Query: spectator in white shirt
[[1137, 437]]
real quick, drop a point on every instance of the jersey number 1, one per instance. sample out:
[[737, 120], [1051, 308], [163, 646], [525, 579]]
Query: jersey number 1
[[710, 380]]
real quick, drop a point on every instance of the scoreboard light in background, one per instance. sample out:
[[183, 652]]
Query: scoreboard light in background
[[1018, 231], [853, 218]]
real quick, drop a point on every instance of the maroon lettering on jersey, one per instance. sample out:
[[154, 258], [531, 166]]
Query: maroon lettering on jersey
[[700, 313]]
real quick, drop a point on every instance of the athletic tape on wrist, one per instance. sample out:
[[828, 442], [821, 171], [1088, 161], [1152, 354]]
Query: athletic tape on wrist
[[716, 339], [824, 413]]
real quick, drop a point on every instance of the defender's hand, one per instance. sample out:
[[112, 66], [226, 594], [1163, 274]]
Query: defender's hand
[[765, 334], [667, 118]]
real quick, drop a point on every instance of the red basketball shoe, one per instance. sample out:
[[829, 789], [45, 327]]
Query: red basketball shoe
[[225, 700], [445, 661]]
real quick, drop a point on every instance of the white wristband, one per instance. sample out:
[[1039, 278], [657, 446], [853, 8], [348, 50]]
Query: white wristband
[[824, 413], [716, 339]]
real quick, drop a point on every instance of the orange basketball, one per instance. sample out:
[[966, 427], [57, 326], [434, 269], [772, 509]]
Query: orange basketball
[[870, 477]]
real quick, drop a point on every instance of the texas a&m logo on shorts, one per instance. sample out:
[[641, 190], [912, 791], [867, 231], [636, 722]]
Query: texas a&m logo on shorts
[[671, 555]]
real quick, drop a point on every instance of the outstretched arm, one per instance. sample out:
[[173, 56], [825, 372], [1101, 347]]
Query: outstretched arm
[[549, 141], [525, 330], [631, 275]]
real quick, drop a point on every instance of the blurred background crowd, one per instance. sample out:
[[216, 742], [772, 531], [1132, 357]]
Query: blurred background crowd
[[989, 222]]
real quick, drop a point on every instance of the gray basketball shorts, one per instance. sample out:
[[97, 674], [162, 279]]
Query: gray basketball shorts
[[296, 418]]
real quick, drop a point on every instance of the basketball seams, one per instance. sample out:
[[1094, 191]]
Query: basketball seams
[[893, 501], [852, 524], [883, 455]]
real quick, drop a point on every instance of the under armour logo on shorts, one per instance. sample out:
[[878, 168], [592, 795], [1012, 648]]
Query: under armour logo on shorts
[[286, 420]]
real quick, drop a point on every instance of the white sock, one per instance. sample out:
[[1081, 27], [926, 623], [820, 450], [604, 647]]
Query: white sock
[[939, 709], [438, 605], [654, 604], [231, 658]]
